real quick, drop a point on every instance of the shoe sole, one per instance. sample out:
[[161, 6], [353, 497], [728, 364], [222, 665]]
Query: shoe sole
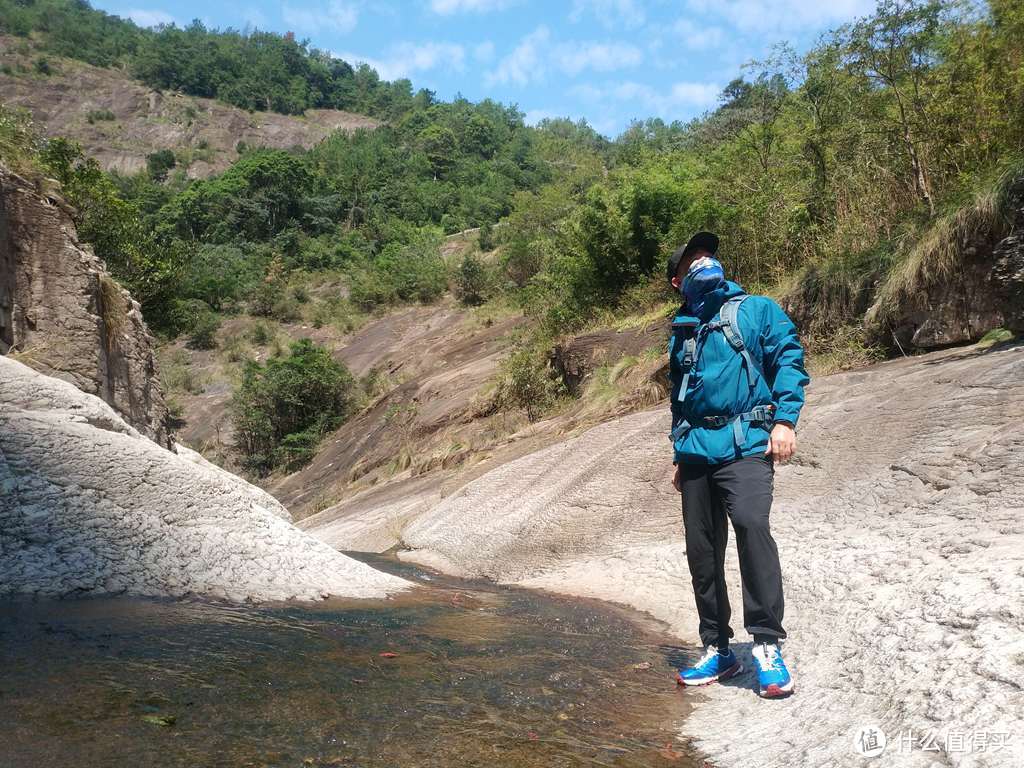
[[774, 691], [732, 671]]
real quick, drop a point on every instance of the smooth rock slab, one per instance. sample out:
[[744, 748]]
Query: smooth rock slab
[[90, 506]]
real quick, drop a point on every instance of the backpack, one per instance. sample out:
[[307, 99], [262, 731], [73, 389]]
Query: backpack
[[726, 321]]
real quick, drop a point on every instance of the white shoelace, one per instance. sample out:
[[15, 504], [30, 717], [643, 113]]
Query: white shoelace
[[772, 657]]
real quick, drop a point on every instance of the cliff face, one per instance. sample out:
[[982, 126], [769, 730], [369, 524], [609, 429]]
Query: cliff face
[[62, 314]]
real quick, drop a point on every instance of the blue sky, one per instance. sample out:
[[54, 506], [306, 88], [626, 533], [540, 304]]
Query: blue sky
[[608, 61]]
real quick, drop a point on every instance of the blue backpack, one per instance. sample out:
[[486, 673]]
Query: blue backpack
[[726, 321]]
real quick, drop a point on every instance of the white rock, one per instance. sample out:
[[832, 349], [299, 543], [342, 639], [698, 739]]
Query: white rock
[[91, 506]]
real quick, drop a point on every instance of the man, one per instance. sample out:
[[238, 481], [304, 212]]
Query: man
[[737, 370]]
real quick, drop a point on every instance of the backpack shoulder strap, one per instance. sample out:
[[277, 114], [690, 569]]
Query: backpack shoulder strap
[[729, 320], [687, 355]]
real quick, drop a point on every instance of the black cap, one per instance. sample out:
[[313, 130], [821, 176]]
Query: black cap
[[703, 241]]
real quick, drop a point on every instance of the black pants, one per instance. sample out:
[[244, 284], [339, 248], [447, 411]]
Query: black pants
[[741, 490]]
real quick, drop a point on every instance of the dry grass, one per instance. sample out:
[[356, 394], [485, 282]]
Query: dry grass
[[632, 383], [938, 253], [842, 349]]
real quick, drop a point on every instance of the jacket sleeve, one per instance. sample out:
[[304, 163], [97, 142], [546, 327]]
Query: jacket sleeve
[[783, 360]]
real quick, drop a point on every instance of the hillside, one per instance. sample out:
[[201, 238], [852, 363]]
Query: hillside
[[119, 121]]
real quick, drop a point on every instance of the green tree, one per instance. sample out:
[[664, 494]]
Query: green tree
[[284, 407], [897, 49], [471, 280], [159, 164]]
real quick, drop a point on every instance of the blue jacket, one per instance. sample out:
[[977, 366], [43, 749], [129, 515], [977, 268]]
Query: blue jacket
[[718, 383]]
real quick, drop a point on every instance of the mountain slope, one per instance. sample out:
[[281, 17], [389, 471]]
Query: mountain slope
[[119, 121]]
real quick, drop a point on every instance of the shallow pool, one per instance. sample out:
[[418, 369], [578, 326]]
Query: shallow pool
[[454, 674]]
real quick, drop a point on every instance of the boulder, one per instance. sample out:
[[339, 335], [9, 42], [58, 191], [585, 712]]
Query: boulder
[[984, 290]]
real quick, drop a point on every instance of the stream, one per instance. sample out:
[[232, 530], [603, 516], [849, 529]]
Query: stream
[[454, 674]]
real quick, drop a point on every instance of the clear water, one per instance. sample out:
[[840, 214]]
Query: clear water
[[483, 676]]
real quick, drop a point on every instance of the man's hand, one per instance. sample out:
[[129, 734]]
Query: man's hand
[[782, 443], [677, 480]]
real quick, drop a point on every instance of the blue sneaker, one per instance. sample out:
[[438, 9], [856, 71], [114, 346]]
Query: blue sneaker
[[773, 678], [714, 666]]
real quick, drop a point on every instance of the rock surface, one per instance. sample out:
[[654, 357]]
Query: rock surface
[[1008, 265], [90, 506], [957, 310], [902, 547], [63, 315]]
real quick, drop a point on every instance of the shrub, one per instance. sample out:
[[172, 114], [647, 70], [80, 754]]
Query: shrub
[[204, 333], [220, 274], [297, 449], [283, 408], [286, 310], [177, 375], [486, 236], [99, 115], [269, 292], [526, 382], [372, 288], [159, 163], [260, 334], [235, 348], [471, 280], [195, 318]]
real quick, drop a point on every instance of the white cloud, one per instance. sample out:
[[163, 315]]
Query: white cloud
[[573, 58], [419, 57], [697, 37], [355, 59], [483, 51], [404, 59], [695, 94], [781, 17], [534, 116], [148, 18], [448, 7], [678, 99], [587, 92], [610, 13], [525, 63], [535, 54], [337, 16]]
